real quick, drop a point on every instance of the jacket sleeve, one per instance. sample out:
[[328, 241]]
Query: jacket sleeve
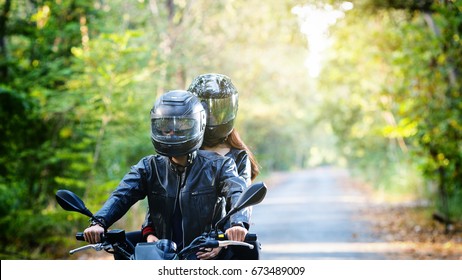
[[131, 189], [232, 185], [243, 166], [147, 228]]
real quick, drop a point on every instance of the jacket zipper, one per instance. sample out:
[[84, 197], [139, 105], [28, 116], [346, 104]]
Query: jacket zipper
[[182, 181]]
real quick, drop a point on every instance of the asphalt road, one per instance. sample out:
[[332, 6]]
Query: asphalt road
[[315, 215]]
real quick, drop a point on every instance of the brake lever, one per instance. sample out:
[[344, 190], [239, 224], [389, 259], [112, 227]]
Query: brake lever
[[225, 243], [96, 247]]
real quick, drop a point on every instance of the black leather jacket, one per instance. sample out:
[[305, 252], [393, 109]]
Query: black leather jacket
[[209, 178], [241, 158]]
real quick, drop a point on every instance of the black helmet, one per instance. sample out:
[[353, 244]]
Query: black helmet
[[220, 100], [177, 123]]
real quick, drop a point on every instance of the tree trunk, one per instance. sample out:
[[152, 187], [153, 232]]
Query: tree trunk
[[3, 52]]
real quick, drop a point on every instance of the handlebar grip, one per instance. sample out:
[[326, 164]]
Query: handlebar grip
[[249, 237], [79, 236]]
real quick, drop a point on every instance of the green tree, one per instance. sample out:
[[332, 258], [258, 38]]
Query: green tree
[[399, 90], [38, 151]]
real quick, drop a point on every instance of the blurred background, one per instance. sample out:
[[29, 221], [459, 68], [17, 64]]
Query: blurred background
[[372, 87]]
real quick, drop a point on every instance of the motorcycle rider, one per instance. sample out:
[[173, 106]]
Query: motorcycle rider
[[219, 97], [181, 182]]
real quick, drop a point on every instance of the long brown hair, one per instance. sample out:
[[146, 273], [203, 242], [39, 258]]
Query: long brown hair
[[235, 141]]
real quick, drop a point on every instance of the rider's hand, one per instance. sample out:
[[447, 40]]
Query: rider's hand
[[236, 233], [152, 238], [207, 255], [93, 234]]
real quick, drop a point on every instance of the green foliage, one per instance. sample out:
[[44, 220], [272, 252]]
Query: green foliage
[[398, 83], [35, 235]]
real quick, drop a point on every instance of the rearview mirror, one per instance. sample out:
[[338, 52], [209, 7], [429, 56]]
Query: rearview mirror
[[69, 201], [254, 194]]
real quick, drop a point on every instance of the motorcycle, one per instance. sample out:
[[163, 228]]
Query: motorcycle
[[115, 241]]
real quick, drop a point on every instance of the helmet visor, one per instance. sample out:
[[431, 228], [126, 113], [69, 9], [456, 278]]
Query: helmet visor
[[175, 129], [220, 110]]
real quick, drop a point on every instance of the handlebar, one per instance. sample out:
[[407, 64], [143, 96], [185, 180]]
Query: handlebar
[[250, 237], [113, 238], [79, 236]]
